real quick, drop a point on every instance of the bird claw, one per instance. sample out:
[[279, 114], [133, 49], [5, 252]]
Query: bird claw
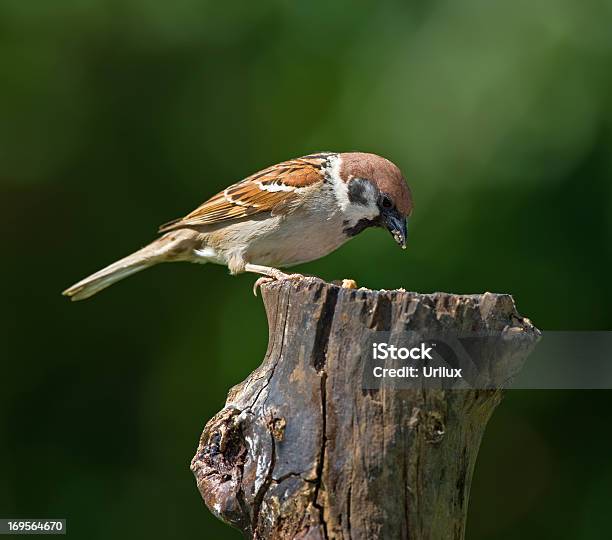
[[278, 277], [260, 281]]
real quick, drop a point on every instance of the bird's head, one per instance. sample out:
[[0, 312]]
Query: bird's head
[[373, 193]]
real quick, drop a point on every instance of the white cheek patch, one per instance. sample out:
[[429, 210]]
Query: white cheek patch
[[354, 211], [365, 207]]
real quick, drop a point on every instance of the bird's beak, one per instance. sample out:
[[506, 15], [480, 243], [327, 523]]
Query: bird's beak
[[396, 225]]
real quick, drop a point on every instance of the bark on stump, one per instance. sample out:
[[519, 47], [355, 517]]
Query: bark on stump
[[302, 451]]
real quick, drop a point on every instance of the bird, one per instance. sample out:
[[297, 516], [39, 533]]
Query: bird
[[284, 215]]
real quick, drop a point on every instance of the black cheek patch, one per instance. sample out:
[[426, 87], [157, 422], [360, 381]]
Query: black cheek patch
[[357, 191], [361, 225]]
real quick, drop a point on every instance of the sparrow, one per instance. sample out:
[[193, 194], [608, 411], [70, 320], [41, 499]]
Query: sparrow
[[290, 213]]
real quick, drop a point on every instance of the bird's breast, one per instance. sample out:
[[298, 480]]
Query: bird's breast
[[296, 240]]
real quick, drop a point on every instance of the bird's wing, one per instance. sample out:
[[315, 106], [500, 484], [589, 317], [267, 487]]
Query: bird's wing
[[275, 189]]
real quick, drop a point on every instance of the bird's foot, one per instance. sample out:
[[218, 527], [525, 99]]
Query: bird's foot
[[260, 281], [278, 276]]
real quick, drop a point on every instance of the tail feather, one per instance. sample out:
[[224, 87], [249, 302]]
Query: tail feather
[[170, 247], [104, 278]]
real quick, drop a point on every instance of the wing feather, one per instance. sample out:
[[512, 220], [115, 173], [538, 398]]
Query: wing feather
[[275, 190]]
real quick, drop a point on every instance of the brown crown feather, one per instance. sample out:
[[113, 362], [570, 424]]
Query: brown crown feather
[[382, 172]]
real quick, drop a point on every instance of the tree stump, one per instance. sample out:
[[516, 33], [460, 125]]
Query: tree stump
[[302, 450]]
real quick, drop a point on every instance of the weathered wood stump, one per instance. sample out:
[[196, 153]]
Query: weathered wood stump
[[302, 450]]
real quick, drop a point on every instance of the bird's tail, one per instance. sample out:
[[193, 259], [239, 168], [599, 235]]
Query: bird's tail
[[173, 246]]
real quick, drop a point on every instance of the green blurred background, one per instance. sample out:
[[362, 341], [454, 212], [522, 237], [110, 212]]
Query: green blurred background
[[116, 116]]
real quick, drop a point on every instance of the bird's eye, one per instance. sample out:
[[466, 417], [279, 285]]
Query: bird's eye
[[387, 202]]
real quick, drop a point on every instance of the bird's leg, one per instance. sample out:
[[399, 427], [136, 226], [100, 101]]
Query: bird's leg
[[268, 274]]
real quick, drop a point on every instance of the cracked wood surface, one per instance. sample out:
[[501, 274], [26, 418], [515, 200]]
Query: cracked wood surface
[[302, 451]]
